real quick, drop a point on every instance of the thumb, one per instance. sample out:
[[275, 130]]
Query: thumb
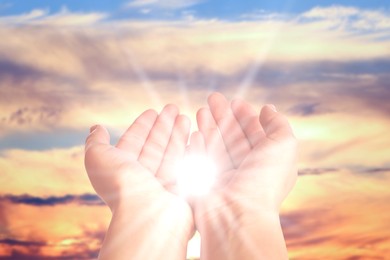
[[96, 144], [98, 136], [275, 125]]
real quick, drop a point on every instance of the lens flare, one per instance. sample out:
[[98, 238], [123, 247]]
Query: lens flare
[[195, 175]]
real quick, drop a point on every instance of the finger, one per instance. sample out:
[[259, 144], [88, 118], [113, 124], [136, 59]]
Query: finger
[[214, 143], [197, 144], [275, 125], [135, 136], [156, 143], [233, 136], [175, 150], [248, 119], [96, 143], [98, 136]]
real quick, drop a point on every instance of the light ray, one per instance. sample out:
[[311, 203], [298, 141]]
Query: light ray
[[164, 223], [184, 92], [142, 76], [260, 59]]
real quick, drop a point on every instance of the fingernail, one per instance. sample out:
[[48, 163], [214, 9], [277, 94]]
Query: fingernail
[[272, 106], [93, 128]]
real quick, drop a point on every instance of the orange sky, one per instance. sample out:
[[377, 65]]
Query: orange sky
[[59, 79]]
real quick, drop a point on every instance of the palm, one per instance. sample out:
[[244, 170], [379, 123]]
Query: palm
[[138, 169], [251, 154]]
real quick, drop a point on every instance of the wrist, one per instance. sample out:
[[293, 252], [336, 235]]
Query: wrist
[[162, 214], [227, 211], [163, 224], [240, 231]]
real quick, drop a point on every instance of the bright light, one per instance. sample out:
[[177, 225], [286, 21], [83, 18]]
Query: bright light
[[195, 175]]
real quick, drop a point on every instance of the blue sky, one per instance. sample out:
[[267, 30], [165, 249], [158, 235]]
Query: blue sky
[[171, 9]]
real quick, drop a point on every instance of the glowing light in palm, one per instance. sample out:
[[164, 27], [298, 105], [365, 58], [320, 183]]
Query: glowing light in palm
[[195, 175]]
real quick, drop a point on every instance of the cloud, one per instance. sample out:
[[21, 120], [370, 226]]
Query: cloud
[[317, 171], [85, 199], [23, 18], [334, 244], [57, 83], [331, 223], [4, 222], [89, 199], [350, 18], [261, 14], [374, 171], [36, 229], [159, 4], [15, 71], [64, 171], [305, 109], [26, 115], [332, 12], [32, 249], [14, 242], [43, 17]]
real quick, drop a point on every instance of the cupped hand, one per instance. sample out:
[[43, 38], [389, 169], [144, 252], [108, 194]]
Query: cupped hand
[[255, 156], [137, 173]]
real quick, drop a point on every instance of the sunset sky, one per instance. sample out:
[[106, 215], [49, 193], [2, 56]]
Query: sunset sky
[[67, 65]]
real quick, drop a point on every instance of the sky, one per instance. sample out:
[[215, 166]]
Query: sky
[[67, 65]]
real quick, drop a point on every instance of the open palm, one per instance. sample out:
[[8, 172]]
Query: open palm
[[135, 176], [255, 156]]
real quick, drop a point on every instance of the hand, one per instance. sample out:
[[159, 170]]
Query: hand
[[135, 180], [256, 158]]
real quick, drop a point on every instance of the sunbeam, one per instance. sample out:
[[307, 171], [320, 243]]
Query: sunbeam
[[120, 232], [262, 55], [257, 63], [143, 77]]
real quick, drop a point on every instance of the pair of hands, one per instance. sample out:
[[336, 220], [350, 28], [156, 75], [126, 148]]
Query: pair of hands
[[256, 160]]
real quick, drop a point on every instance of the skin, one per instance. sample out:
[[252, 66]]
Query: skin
[[256, 158], [134, 178], [238, 219]]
